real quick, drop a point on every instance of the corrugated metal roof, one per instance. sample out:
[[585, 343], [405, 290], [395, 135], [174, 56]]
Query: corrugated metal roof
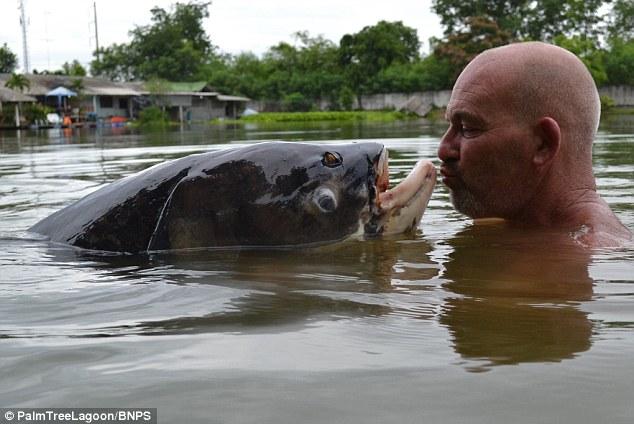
[[42, 84], [181, 87], [111, 91], [225, 98], [191, 93], [13, 96]]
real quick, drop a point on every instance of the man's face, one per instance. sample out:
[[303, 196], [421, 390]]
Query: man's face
[[486, 150]]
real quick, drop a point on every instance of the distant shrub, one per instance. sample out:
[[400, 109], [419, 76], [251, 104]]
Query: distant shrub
[[620, 62], [153, 116], [296, 102], [346, 98], [376, 116], [607, 102], [35, 112], [7, 115]]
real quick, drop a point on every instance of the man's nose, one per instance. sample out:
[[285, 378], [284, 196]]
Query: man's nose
[[449, 148]]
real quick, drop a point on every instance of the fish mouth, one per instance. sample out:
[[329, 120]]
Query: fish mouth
[[399, 209]]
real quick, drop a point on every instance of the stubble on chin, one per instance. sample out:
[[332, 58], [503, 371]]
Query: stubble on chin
[[466, 203]]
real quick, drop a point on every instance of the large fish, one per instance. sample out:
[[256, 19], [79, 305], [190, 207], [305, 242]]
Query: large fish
[[274, 194]]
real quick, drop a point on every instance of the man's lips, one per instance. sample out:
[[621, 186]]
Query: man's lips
[[449, 175]]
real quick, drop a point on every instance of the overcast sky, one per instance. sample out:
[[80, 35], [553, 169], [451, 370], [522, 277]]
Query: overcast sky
[[63, 30]]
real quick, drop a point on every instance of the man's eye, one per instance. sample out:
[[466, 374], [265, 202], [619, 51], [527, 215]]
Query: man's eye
[[469, 132]]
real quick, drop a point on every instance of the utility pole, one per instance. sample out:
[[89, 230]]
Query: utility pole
[[25, 48], [47, 40], [94, 6]]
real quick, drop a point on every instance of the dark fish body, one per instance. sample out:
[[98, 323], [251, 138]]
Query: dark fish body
[[267, 194]]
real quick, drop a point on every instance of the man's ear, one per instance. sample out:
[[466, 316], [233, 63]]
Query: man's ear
[[549, 135]]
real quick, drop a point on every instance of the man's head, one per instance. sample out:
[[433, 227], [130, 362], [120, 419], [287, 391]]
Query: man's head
[[522, 118]]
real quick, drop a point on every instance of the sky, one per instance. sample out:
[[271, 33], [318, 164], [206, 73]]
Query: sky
[[63, 30]]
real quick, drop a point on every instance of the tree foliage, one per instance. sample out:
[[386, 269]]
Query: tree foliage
[[365, 54], [621, 20], [459, 48], [474, 26], [619, 63], [74, 69], [380, 58], [18, 82], [523, 19], [8, 60], [174, 47]]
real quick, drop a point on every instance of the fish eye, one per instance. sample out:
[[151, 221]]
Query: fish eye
[[325, 200], [331, 160], [327, 204]]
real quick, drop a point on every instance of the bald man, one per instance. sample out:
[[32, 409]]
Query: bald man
[[519, 146]]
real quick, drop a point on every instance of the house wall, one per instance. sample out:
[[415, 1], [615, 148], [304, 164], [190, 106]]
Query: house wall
[[218, 109], [422, 102], [419, 103], [120, 106], [206, 108], [200, 109], [185, 101], [623, 95]]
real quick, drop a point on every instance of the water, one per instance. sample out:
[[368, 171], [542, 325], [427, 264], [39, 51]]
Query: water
[[460, 323]]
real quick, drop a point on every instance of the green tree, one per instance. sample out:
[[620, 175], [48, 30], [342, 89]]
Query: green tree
[[430, 73], [18, 82], [115, 62], [8, 60], [621, 20], [77, 85], [524, 19], [173, 47], [459, 48], [366, 53], [296, 102], [309, 67], [73, 69], [619, 63]]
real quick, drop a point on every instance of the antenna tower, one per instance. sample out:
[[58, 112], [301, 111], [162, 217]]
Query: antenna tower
[[25, 48], [94, 6]]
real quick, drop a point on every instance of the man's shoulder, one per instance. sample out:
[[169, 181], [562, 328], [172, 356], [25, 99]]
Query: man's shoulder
[[602, 229]]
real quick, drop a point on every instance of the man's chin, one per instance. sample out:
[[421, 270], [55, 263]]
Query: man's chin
[[466, 204]]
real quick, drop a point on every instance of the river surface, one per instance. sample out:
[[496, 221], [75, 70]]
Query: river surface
[[459, 323]]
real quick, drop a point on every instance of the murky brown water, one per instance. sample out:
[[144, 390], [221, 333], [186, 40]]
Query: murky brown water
[[460, 323]]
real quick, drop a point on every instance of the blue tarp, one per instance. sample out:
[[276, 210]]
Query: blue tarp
[[61, 92]]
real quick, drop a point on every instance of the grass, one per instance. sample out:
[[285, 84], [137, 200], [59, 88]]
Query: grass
[[436, 115], [368, 116], [619, 110]]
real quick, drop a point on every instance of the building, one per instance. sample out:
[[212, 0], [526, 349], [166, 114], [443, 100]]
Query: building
[[12, 97], [97, 98], [191, 101]]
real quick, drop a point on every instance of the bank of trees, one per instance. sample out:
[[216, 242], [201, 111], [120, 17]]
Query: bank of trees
[[174, 46], [603, 40], [380, 58]]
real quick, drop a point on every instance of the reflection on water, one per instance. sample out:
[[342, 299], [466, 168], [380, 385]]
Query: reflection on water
[[515, 298], [379, 329]]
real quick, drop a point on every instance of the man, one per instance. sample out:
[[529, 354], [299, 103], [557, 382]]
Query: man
[[519, 146]]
